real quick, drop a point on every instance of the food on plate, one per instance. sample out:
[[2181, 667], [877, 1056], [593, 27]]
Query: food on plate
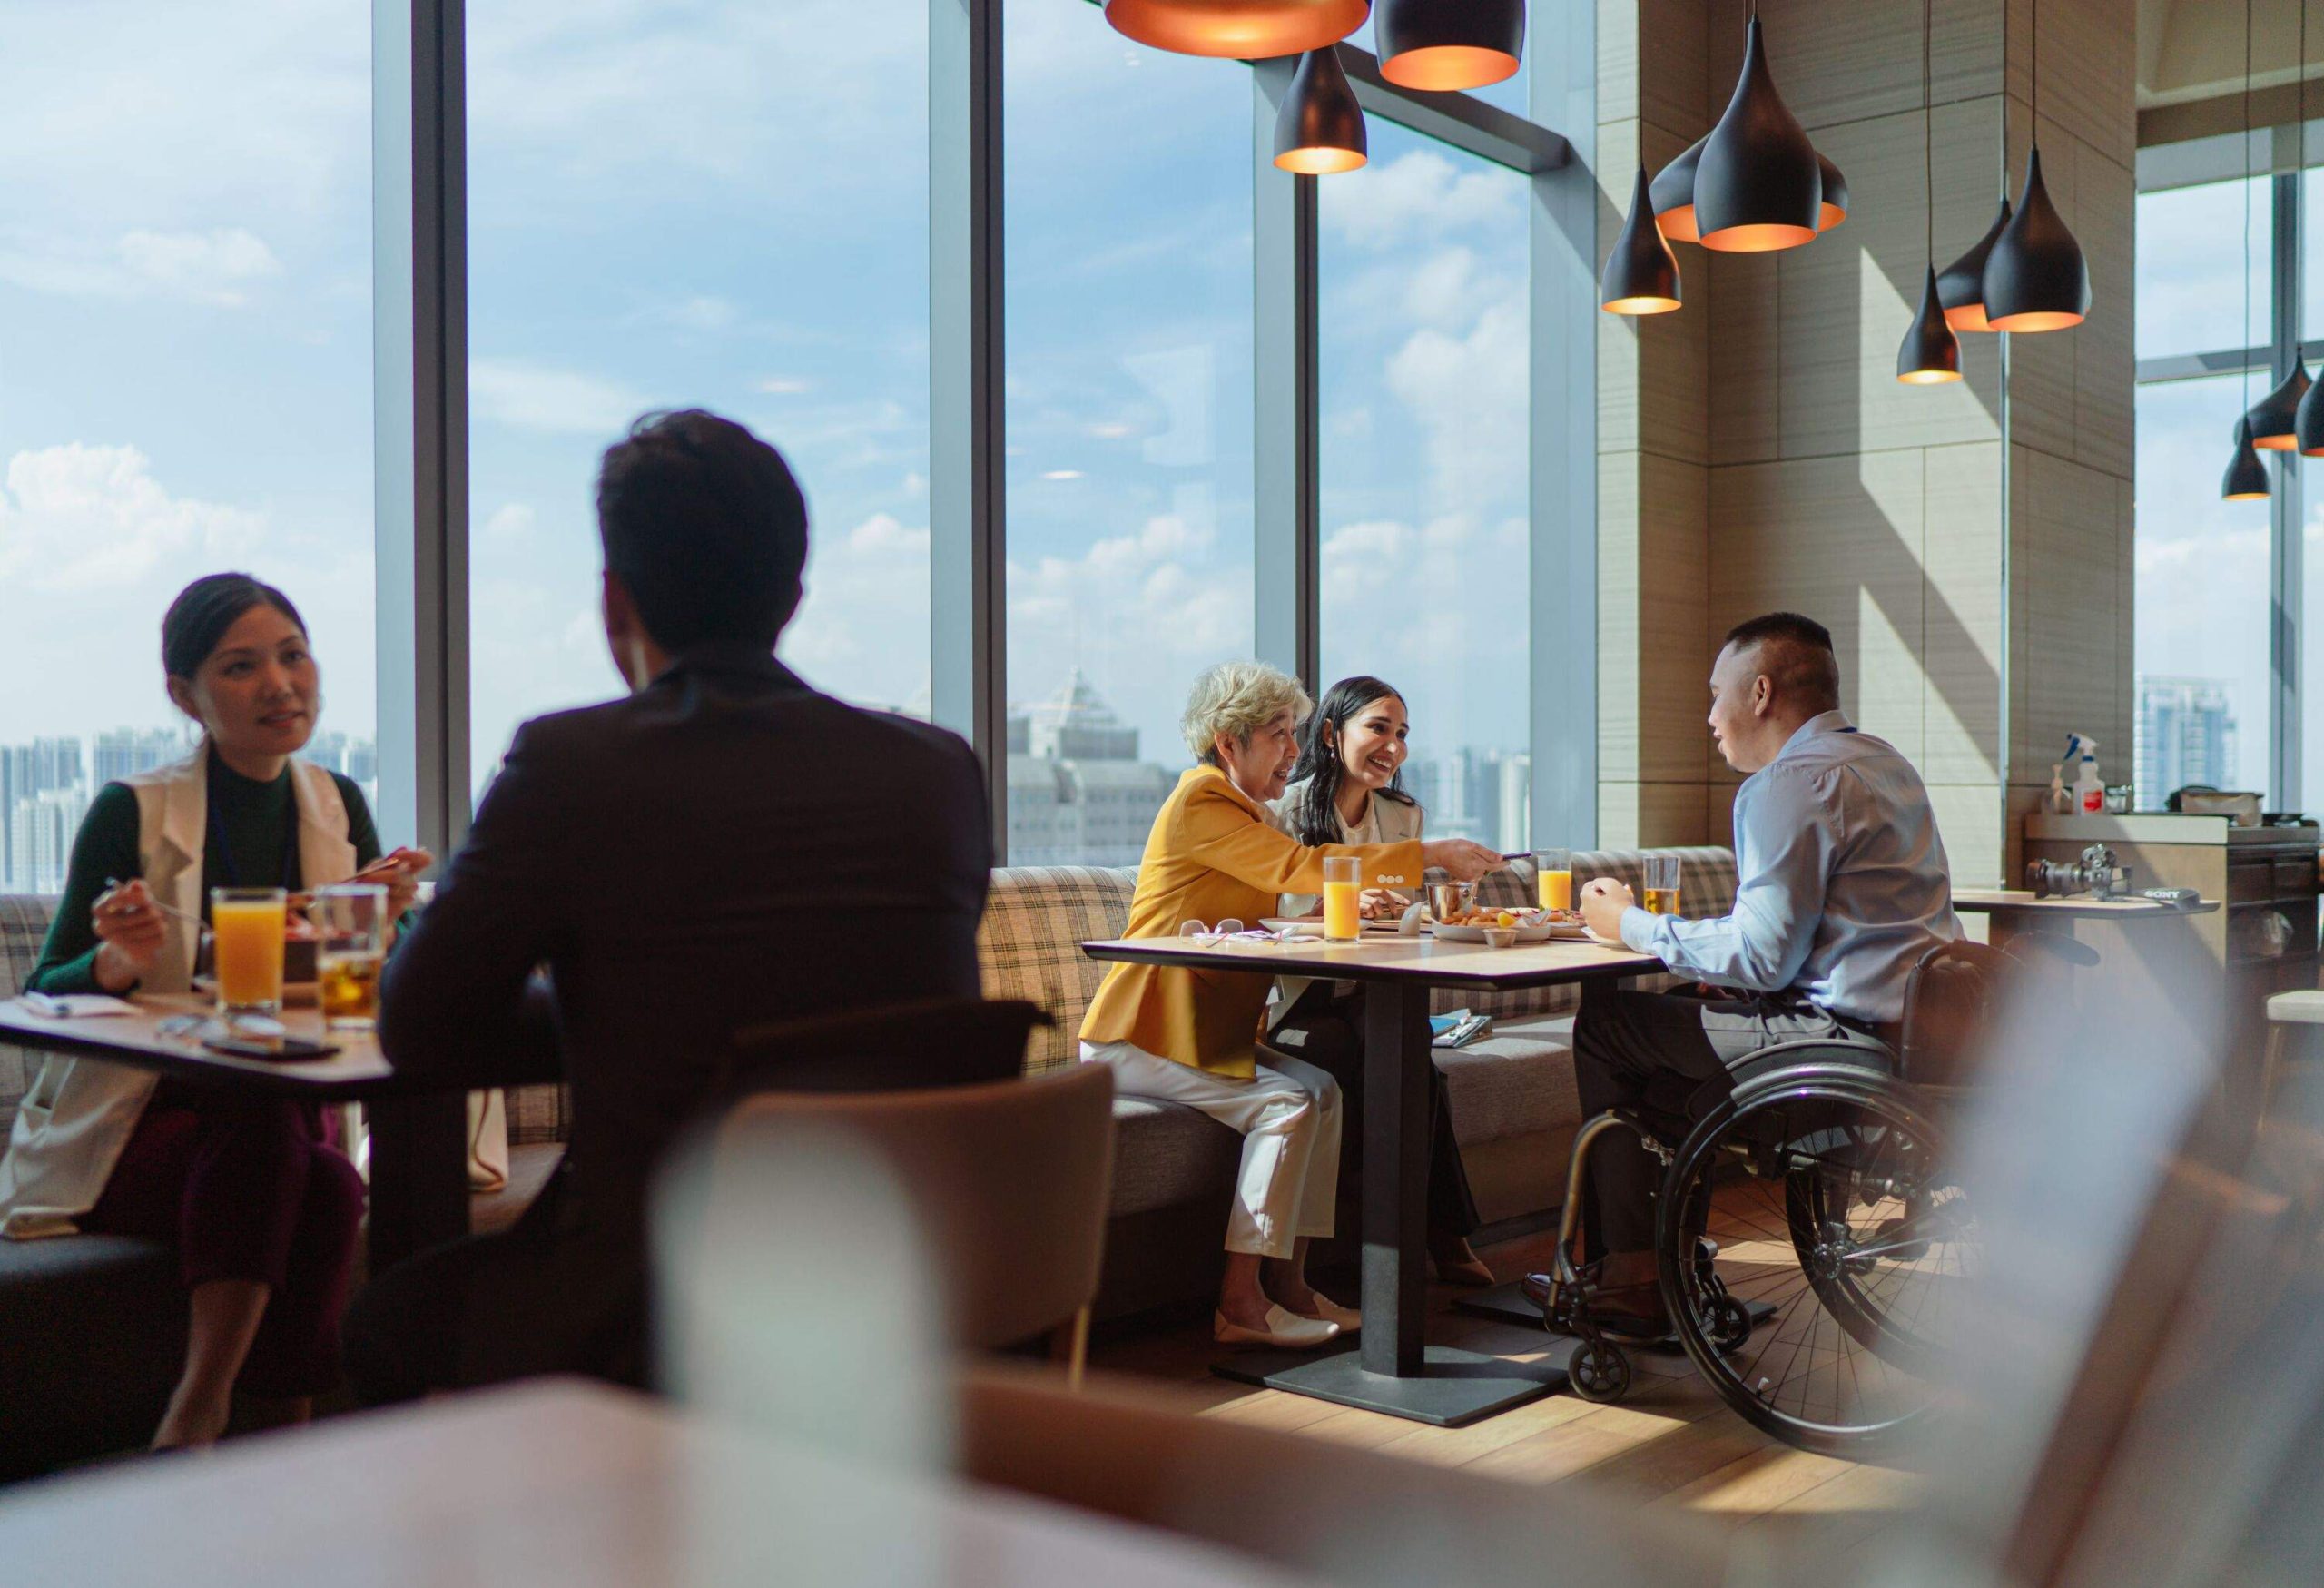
[[1495, 917]]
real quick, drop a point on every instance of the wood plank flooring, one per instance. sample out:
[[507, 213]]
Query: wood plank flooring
[[1671, 1444]]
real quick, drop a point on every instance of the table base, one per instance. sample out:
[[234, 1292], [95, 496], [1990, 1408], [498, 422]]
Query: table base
[[1509, 1304], [1455, 1388]]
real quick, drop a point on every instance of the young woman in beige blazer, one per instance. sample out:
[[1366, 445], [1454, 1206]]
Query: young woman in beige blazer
[[263, 1208]]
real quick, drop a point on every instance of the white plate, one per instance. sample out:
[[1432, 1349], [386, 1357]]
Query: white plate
[[1540, 933], [1311, 926]]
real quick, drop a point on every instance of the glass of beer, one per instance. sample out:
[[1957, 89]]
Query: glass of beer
[[1343, 899], [1662, 884], [1553, 878], [246, 949], [351, 927]]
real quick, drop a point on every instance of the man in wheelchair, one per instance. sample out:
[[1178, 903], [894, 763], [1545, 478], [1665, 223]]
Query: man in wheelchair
[[1842, 888]]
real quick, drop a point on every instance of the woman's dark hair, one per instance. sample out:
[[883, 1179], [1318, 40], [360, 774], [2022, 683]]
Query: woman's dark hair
[[205, 609], [705, 527], [1315, 814]]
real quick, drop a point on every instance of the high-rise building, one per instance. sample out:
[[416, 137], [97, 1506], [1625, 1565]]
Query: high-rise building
[[1077, 792], [2186, 734], [121, 753], [1516, 787], [26, 773], [41, 831]]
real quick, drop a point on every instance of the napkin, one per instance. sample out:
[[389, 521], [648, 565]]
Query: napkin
[[73, 1005]]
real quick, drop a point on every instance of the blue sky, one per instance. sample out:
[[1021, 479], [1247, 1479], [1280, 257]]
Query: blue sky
[[724, 204]]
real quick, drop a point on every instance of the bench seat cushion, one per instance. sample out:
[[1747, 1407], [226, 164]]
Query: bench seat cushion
[[1167, 1153], [1517, 1081], [92, 1338]]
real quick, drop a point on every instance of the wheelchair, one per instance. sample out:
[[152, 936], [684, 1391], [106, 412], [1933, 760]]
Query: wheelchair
[[1814, 1242]]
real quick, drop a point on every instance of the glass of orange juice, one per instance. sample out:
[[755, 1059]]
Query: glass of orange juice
[[246, 949], [1553, 878], [1662, 884], [1343, 899]]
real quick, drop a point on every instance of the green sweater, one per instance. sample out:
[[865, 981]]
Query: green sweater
[[260, 822]]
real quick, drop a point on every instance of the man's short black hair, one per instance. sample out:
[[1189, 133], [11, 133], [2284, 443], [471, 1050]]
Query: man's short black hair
[[705, 527], [1798, 653]]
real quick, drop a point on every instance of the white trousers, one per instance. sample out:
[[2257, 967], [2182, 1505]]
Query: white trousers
[[1288, 1115]]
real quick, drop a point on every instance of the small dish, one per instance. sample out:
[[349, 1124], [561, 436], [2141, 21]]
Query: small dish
[[1498, 937]]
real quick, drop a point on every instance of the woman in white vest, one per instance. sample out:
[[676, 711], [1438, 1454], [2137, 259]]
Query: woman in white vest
[[1348, 788], [263, 1208]]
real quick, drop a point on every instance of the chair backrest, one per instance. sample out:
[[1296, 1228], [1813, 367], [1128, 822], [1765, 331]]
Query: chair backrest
[[1950, 1000], [23, 927], [1011, 1181], [930, 1042], [1028, 946]]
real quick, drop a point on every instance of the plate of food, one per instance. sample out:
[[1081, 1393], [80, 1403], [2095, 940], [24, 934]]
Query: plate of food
[[1529, 925], [1312, 926]]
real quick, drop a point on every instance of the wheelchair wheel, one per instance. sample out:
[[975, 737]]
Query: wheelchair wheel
[[1599, 1371], [1845, 1248]]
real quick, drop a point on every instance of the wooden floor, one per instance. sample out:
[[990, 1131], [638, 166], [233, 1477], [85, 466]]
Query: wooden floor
[[1670, 1443]]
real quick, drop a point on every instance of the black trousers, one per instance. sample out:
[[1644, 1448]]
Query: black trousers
[[1327, 1032], [489, 1308], [1669, 1058]]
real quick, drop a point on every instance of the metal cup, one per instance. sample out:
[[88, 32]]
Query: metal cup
[[1446, 900]]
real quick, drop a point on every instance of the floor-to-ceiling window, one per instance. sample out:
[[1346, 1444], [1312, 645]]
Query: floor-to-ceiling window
[[1424, 461], [185, 378], [721, 205], [2204, 580], [1128, 419]]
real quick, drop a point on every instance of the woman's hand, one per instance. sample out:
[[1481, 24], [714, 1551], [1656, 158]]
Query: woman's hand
[[399, 874], [130, 933], [1461, 860]]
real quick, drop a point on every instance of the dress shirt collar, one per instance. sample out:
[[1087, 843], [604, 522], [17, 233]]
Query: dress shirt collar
[[1828, 721]]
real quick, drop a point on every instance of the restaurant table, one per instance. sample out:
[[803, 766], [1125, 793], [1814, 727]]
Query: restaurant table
[[2017, 905], [556, 1483], [418, 1173], [1393, 1369]]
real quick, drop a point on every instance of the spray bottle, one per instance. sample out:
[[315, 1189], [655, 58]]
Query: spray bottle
[[2089, 793]]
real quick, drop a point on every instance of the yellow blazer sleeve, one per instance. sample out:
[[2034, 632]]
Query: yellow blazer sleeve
[[1220, 833]]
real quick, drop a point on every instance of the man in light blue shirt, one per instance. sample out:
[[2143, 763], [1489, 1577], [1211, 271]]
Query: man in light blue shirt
[[1843, 886]]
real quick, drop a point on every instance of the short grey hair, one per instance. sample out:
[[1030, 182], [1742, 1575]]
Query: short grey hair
[[1235, 698]]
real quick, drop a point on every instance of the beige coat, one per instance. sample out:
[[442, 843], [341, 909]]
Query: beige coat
[[80, 1113]]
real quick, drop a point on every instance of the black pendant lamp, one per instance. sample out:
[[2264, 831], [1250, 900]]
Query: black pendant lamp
[[1449, 44], [2247, 477], [1833, 207], [2035, 279], [1246, 30], [1641, 274], [1930, 355], [1674, 194], [1961, 285], [1759, 182], [2275, 418], [1320, 129]]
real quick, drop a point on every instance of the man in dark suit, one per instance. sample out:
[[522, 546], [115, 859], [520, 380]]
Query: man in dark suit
[[723, 847]]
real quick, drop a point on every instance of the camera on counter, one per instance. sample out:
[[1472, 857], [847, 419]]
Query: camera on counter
[[2097, 874]]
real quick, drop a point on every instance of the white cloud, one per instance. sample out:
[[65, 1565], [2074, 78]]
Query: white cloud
[[1468, 392], [703, 311], [532, 396], [785, 385], [211, 267], [85, 518], [862, 629], [509, 521], [1417, 197]]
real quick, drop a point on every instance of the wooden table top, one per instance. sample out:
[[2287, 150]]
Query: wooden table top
[[1388, 958], [357, 1068], [561, 1485], [2016, 902]]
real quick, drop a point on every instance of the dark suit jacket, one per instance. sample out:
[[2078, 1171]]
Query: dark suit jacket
[[724, 848]]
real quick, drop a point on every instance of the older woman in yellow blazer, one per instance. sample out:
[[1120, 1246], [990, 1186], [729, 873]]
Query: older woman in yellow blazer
[[1191, 1037]]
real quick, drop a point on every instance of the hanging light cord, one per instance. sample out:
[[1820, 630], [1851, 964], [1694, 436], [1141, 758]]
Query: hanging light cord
[[2246, 327], [1928, 128]]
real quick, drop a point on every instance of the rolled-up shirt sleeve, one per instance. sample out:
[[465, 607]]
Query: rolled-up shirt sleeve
[[1784, 842]]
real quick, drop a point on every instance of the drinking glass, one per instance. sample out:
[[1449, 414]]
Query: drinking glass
[[351, 927], [246, 949], [1343, 899], [1553, 878], [1662, 884]]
